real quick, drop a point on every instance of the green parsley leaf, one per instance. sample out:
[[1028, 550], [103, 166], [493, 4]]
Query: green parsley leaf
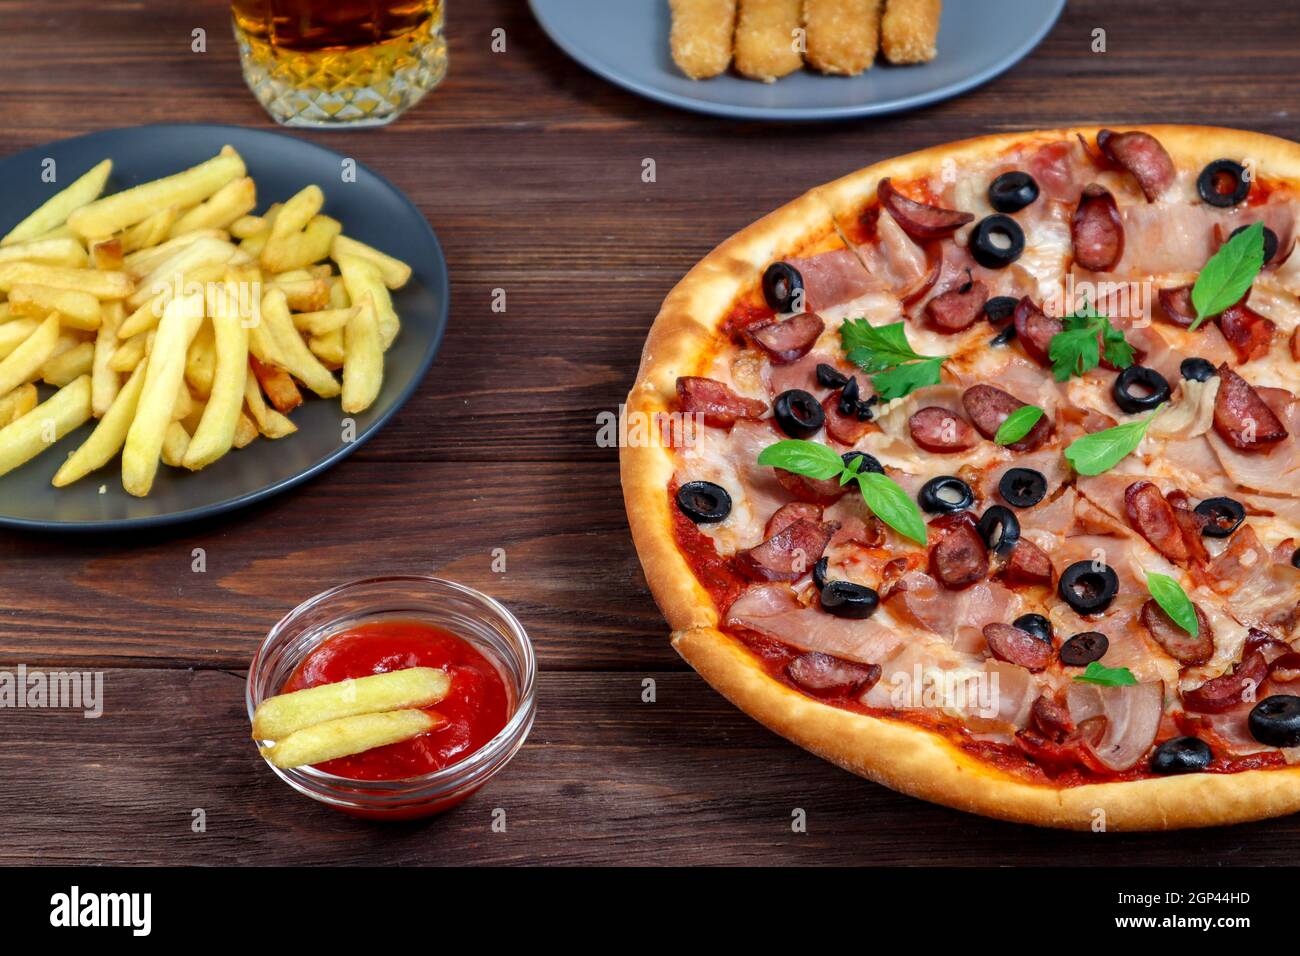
[[1171, 597], [1229, 273], [892, 505], [806, 458], [1018, 424], [904, 379], [1097, 673], [1100, 451], [876, 347], [1079, 346]]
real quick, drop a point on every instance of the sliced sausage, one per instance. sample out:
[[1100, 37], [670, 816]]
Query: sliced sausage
[[1154, 518], [1241, 417], [788, 554], [1223, 693], [959, 557], [1097, 230], [787, 340], [1011, 644], [1051, 718], [1028, 564], [1176, 306], [917, 219], [845, 429], [1178, 644], [988, 407], [940, 430], [825, 676], [719, 405], [1190, 524], [958, 309], [817, 491], [1248, 332], [1034, 330], [787, 515], [1143, 156]]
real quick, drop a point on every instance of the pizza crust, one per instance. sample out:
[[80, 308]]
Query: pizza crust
[[895, 753]]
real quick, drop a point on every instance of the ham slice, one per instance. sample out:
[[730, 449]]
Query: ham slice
[[833, 278], [894, 260], [922, 601], [773, 611], [1129, 718], [1259, 590]]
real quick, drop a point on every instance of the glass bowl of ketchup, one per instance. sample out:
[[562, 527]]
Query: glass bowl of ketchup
[[384, 624]]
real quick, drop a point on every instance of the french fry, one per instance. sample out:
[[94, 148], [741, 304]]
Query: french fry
[[66, 367], [80, 310], [246, 226], [302, 291], [17, 403], [178, 268], [51, 252], [323, 322], [148, 232], [54, 212], [109, 435], [143, 261], [329, 349], [301, 249], [278, 385], [278, 717], [363, 365], [348, 735], [107, 255], [104, 380], [24, 363], [245, 431], [129, 353], [216, 432], [254, 244], [298, 360], [294, 215], [201, 362], [163, 378], [361, 276], [227, 204], [102, 285], [65, 411], [176, 442], [394, 272], [106, 216], [14, 333], [146, 316], [184, 403], [269, 422]]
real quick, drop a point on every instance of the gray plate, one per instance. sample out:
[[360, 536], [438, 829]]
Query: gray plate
[[626, 42], [371, 209]]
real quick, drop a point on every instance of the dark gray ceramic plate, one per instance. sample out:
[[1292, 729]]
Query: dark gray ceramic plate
[[626, 42], [370, 208]]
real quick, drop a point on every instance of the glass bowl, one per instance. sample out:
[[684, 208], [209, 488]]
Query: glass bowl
[[470, 615]]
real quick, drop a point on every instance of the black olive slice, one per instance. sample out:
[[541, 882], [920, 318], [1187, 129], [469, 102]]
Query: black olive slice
[[1197, 370], [1181, 755], [828, 376], [819, 573], [798, 414], [1022, 487], [1139, 389], [1082, 649], [869, 462], [782, 286], [1295, 558], [1275, 721], [1036, 625], [1012, 192], [1000, 308], [703, 502], [1088, 588], [1225, 514], [850, 397], [1270, 240], [996, 241], [846, 599], [1000, 529], [1219, 174], [945, 495], [1003, 337]]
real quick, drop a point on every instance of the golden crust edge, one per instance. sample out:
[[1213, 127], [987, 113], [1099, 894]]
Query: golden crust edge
[[888, 752]]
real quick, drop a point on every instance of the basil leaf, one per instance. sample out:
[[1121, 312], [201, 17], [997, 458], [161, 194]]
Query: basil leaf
[[1100, 451], [892, 505], [1097, 673], [1171, 597], [1018, 424], [880, 345], [1229, 273], [904, 379], [806, 458]]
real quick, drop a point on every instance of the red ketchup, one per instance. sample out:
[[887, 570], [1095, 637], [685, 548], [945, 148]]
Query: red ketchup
[[475, 709]]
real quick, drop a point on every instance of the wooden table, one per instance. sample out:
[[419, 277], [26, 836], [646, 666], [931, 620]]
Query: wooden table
[[529, 168]]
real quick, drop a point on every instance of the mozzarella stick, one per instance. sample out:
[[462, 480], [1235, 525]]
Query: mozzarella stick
[[701, 36], [766, 42], [909, 29], [842, 35]]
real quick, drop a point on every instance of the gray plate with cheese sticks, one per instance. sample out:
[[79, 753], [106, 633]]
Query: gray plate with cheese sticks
[[635, 44]]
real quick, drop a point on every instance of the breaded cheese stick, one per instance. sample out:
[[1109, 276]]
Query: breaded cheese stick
[[909, 29], [842, 34], [701, 36], [765, 38]]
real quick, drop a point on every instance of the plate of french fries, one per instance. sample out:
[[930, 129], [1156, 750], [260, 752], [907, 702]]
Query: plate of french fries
[[798, 59], [193, 318]]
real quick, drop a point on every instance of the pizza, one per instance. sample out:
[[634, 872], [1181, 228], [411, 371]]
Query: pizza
[[976, 473]]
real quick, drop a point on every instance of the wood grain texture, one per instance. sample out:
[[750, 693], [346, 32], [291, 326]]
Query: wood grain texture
[[529, 169]]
